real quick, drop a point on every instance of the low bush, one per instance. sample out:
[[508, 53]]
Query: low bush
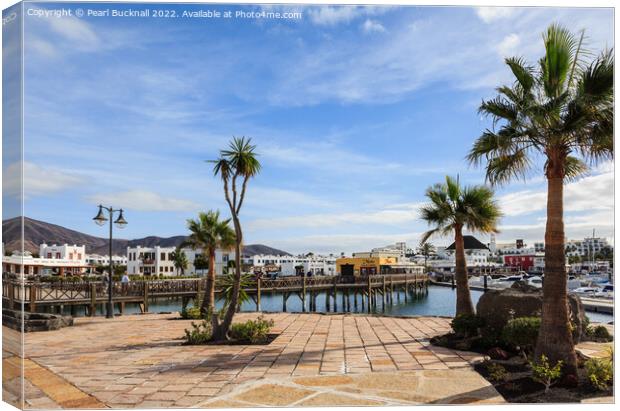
[[254, 331], [467, 325], [600, 372], [521, 333], [200, 333], [544, 373], [192, 313], [599, 333], [497, 373]]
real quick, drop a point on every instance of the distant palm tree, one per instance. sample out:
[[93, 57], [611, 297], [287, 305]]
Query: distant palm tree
[[453, 208], [180, 261], [236, 166], [426, 249], [559, 113], [209, 233]]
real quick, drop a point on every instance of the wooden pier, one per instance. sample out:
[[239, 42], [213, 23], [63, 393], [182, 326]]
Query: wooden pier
[[372, 289]]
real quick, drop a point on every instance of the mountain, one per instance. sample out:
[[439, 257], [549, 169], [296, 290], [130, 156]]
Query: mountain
[[37, 232]]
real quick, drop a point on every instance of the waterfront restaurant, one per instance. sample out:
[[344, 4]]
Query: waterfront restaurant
[[372, 263]]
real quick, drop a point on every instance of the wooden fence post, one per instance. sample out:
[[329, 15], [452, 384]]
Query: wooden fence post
[[335, 294], [303, 293], [146, 296], [369, 293], [93, 299], [33, 297], [258, 287]]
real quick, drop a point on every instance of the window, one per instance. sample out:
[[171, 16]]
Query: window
[[70, 256], [79, 256], [57, 255], [49, 255], [163, 256], [161, 269]]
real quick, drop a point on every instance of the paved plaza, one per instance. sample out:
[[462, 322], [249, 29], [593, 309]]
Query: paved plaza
[[139, 361]]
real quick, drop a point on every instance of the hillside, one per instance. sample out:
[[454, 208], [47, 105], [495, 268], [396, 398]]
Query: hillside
[[37, 232]]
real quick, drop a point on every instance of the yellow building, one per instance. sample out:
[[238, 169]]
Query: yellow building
[[363, 264]]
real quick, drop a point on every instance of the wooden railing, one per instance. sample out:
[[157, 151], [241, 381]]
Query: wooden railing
[[38, 292]]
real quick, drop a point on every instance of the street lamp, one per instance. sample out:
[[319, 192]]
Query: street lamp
[[100, 219]]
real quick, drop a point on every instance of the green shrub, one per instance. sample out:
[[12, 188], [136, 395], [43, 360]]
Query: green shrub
[[255, 331], [521, 333], [200, 333], [497, 373], [467, 325], [192, 313], [600, 372], [599, 333], [544, 373]]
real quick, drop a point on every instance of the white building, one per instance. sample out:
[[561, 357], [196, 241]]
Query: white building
[[588, 247], [63, 252], [397, 250], [291, 265], [159, 261], [57, 260], [96, 260], [476, 254]]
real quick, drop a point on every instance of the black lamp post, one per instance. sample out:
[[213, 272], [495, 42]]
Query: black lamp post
[[120, 222]]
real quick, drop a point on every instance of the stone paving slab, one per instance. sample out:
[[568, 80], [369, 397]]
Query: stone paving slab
[[138, 361]]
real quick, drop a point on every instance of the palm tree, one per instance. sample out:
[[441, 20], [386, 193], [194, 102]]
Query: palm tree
[[453, 208], [560, 113], [235, 167], [426, 249], [179, 260], [209, 233]]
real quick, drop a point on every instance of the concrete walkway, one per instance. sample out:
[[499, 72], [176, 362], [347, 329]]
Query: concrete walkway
[[138, 361]]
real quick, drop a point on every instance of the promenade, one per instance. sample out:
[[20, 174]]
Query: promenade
[[139, 361]]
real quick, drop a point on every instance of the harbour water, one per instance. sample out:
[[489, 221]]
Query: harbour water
[[439, 301]]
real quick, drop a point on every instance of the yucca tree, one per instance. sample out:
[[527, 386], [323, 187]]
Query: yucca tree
[[208, 233], [558, 114], [426, 249], [179, 259], [236, 166], [452, 209]]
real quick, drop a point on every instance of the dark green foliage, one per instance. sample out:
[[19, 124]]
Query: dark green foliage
[[600, 372], [200, 333], [599, 333], [254, 331], [521, 333], [497, 373], [467, 325]]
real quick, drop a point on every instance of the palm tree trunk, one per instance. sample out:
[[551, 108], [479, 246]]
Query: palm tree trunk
[[208, 302], [555, 339], [220, 332], [463, 297]]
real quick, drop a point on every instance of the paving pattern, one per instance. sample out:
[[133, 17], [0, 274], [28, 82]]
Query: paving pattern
[[139, 361]]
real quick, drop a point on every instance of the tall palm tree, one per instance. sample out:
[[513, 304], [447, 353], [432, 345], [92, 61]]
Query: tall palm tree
[[559, 113], [426, 249], [236, 166], [179, 259], [453, 208], [208, 233]]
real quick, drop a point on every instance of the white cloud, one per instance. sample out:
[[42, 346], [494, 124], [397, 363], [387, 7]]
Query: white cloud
[[76, 31], [36, 180], [491, 14], [509, 45], [140, 200], [588, 193], [333, 15], [373, 26], [337, 243], [393, 215]]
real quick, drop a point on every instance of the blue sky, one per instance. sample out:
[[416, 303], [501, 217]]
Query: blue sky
[[355, 111]]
